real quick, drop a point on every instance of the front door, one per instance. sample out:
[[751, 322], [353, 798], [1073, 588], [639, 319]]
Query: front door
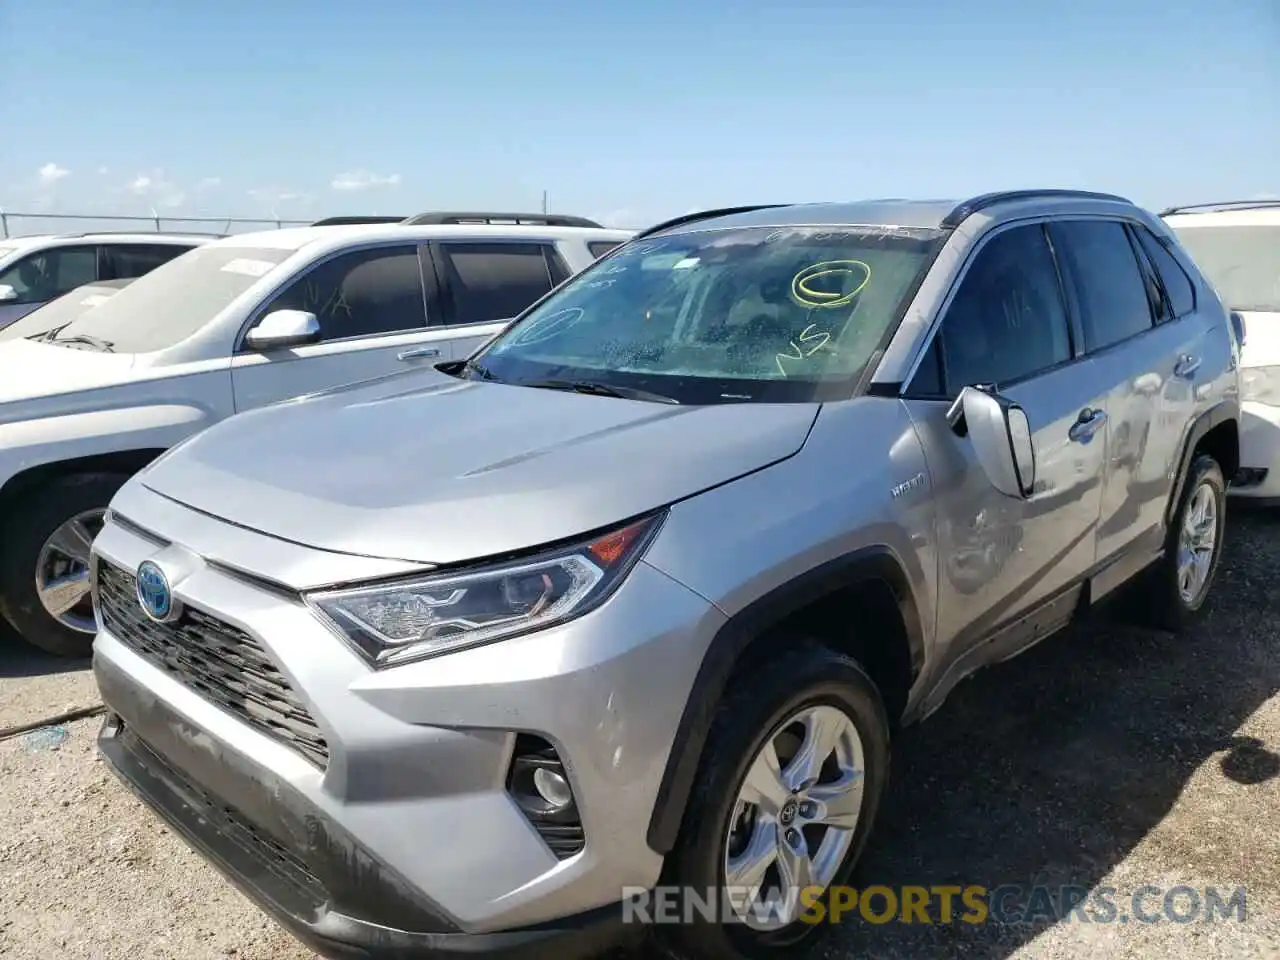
[[372, 305], [44, 275], [1008, 567]]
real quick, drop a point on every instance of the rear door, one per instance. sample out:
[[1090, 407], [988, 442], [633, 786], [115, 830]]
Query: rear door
[[1150, 385], [45, 275], [373, 305], [1010, 568], [486, 284]]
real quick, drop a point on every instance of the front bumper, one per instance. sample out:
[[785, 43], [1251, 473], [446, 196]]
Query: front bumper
[[1259, 450], [303, 897], [407, 822]]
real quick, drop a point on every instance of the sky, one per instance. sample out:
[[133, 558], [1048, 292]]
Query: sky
[[626, 112]]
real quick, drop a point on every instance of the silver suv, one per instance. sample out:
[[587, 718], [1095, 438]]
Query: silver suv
[[457, 661]]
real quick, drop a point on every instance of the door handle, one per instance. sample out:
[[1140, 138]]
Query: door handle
[[421, 353], [1087, 425], [1186, 366]]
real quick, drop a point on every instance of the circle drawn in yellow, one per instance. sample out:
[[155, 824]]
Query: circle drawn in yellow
[[804, 294]]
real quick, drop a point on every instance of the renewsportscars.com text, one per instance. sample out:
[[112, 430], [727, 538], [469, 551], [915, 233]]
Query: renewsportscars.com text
[[1007, 904]]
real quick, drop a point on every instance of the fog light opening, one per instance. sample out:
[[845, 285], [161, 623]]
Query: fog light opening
[[538, 783]]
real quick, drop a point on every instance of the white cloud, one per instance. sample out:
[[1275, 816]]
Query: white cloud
[[51, 173], [158, 189], [141, 184], [363, 180]]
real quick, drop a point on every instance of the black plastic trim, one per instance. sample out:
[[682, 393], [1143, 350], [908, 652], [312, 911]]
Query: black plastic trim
[[860, 566], [704, 215], [986, 200], [349, 221]]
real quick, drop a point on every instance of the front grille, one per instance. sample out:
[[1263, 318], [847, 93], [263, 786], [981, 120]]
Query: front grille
[[220, 662]]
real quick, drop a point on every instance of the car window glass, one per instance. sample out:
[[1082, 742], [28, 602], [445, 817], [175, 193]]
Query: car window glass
[[1178, 286], [42, 276], [493, 281], [136, 260], [360, 294], [1113, 298], [1007, 320], [599, 248]]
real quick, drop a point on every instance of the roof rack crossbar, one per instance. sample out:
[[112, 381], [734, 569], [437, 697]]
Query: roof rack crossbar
[[1221, 205], [347, 221], [983, 201], [521, 219], [704, 215]]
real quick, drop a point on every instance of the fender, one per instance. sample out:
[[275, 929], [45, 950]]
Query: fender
[[1220, 413], [46, 441], [728, 645]]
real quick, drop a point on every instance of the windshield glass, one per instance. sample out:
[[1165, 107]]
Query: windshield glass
[[770, 314], [176, 299], [1242, 263], [57, 312]]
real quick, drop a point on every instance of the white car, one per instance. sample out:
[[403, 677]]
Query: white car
[[36, 270], [1237, 247], [238, 323]]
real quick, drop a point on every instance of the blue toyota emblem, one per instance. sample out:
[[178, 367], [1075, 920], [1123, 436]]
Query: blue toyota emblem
[[154, 594]]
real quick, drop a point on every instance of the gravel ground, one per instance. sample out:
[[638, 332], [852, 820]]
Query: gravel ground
[[1104, 757]]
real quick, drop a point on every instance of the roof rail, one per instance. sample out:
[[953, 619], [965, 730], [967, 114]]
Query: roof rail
[[983, 201], [177, 234], [704, 215], [1222, 205], [348, 221], [523, 219]]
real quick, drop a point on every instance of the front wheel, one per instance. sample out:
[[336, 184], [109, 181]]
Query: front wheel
[[795, 767], [44, 568]]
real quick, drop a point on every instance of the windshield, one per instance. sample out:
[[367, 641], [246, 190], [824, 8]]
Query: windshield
[[176, 299], [67, 307], [768, 314], [1242, 263]]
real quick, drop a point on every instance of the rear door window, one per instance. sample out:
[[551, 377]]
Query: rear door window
[[599, 248], [128, 261], [490, 282], [1178, 287], [1113, 296]]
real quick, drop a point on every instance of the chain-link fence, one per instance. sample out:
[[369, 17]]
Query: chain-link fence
[[16, 224]]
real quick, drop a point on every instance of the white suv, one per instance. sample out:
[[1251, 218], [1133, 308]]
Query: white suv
[[1237, 246], [35, 270], [238, 323]]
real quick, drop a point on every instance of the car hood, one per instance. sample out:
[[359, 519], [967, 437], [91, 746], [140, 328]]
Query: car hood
[[425, 468], [29, 370]]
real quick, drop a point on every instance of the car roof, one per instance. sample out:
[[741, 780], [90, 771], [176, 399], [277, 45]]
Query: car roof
[[295, 238], [35, 241], [891, 213]]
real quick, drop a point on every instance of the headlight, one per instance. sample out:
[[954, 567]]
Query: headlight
[[395, 623], [1261, 384]]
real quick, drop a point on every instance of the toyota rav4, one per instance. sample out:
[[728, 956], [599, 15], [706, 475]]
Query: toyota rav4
[[639, 593]]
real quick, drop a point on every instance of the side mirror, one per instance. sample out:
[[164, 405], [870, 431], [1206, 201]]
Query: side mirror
[[1001, 436], [283, 328], [7, 293]]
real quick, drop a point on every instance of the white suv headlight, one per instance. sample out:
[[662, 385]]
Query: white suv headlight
[[1261, 385], [394, 623]]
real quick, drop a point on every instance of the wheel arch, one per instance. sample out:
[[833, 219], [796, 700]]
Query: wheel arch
[[871, 580], [117, 461], [1216, 432]]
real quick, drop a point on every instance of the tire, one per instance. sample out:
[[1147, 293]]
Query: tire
[[29, 523], [1162, 603], [757, 712]]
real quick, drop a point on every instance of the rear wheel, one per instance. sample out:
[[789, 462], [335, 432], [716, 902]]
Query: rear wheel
[[44, 569], [795, 767], [1178, 585]]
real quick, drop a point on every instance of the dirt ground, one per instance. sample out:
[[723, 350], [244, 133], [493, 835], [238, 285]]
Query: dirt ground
[[1105, 757]]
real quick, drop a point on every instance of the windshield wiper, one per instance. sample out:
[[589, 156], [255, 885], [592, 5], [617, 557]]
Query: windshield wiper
[[50, 334], [599, 390], [106, 346]]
